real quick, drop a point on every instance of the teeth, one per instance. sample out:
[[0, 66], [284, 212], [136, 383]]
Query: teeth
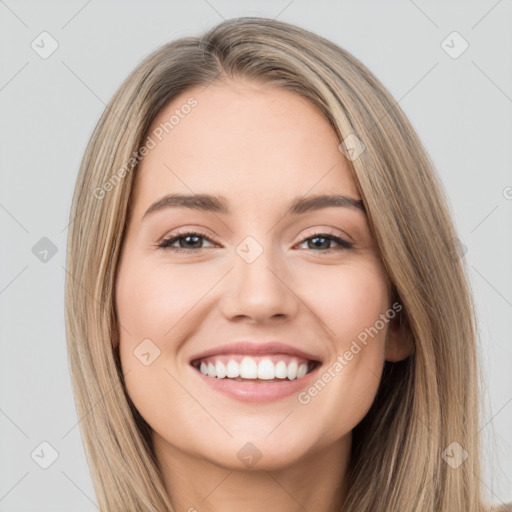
[[220, 368], [232, 369], [303, 369], [266, 370], [248, 368], [281, 371], [292, 370]]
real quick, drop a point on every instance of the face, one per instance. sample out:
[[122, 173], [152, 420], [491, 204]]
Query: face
[[244, 320]]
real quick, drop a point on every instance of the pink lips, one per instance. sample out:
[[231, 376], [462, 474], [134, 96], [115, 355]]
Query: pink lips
[[253, 349], [256, 390]]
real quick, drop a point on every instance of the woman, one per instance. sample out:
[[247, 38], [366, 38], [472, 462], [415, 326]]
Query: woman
[[269, 309]]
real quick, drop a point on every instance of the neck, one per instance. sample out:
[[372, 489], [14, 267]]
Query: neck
[[314, 482]]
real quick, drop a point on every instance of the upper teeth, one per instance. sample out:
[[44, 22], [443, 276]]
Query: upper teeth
[[248, 368]]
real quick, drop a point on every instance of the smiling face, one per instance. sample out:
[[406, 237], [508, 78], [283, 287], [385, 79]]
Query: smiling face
[[251, 285]]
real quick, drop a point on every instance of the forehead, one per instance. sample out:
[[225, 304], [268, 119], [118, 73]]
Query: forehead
[[244, 140]]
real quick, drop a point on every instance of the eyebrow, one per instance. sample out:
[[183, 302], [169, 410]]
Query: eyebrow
[[219, 204]]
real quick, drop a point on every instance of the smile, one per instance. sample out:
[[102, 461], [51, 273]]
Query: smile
[[274, 368], [256, 372]]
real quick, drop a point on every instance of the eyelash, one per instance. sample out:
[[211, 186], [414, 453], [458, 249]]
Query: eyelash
[[166, 243]]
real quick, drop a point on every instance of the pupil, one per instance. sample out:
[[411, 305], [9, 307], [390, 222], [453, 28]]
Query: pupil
[[319, 238], [187, 238]]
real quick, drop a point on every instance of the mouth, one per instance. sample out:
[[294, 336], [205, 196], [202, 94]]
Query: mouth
[[255, 372], [271, 368]]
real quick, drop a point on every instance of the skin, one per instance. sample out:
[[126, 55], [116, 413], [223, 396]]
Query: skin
[[260, 147]]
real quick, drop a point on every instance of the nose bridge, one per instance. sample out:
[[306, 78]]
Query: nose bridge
[[257, 283]]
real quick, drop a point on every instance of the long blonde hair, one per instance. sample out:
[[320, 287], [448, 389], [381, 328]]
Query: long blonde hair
[[424, 404]]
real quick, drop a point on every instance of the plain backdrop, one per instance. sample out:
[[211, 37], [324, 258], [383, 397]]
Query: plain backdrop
[[460, 102]]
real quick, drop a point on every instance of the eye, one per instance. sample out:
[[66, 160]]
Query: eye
[[191, 241], [323, 240]]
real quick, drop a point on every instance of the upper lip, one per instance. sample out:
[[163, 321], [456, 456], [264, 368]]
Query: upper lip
[[255, 348]]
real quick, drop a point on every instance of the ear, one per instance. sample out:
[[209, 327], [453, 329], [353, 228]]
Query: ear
[[399, 340]]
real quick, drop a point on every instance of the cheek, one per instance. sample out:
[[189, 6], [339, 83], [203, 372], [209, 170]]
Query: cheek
[[153, 300], [157, 308], [349, 300], [351, 304], [148, 306]]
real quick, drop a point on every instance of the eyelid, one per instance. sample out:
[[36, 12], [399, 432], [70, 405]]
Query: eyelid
[[327, 231], [200, 231]]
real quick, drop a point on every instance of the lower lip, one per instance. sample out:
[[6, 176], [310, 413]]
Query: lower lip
[[258, 391]]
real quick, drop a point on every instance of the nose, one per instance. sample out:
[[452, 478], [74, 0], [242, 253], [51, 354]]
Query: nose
[[260, 291]]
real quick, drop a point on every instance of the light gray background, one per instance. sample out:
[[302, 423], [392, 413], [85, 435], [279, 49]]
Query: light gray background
[[460, 107]]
